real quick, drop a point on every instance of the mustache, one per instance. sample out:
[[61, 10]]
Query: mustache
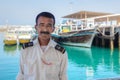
[[44, 32]]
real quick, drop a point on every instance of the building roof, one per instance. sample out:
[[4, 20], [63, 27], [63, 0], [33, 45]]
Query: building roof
[[85, 14]]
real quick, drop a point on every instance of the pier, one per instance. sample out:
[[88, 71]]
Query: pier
[[108, 37], [108, 32]]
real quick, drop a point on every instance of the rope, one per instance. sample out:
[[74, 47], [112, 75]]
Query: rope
[[106, 36]]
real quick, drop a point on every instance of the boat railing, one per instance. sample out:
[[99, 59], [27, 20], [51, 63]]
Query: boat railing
[[74, 27]]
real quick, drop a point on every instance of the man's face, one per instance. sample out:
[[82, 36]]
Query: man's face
[[44, 27]]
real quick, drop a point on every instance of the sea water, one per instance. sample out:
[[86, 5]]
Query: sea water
[[83, 63]]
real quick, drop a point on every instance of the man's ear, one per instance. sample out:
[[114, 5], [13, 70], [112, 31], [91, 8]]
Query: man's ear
[[53, 29], [36, 27]]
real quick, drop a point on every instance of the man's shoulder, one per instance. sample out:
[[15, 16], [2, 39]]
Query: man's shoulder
[[26, 45], [60, 48]]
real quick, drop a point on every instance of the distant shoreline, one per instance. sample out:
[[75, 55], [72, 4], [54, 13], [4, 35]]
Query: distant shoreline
[[3, 29]]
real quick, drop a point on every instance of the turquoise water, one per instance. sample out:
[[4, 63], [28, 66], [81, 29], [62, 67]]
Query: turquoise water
[[83, 63], [94, 63]]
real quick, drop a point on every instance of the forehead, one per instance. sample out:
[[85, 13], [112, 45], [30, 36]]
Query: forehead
[[43, 19]]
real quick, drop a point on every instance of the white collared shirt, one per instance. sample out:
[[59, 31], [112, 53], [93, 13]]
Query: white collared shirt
[[33, 59], [43, 48]]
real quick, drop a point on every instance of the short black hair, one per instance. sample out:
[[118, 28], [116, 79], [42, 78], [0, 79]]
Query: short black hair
[[45, 14]]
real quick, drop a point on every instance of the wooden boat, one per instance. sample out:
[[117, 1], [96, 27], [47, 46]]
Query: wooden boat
[[24, 38], [78, 29], [10, 38], [25, 34], [10, 42], [82, 38]]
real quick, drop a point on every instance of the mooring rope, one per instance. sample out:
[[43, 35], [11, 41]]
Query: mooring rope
[[106, 36]]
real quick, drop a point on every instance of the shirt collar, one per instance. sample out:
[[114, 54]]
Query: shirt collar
[[50, 44]]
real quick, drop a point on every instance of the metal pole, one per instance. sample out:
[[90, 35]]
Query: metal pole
[[111, 40]]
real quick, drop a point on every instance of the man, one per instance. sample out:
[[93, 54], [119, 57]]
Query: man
[[43, 59]]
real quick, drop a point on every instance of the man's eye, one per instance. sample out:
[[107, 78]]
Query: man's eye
[[41, 25], [49, 25]]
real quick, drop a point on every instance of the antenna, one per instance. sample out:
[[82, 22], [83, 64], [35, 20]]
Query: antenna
[[71, 5]]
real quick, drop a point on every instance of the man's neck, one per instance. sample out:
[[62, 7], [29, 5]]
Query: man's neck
[[43, 42]]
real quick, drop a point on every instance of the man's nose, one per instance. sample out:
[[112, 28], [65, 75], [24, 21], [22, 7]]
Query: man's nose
[[45, 28]]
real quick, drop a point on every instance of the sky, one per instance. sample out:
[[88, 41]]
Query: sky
[[24, 12]]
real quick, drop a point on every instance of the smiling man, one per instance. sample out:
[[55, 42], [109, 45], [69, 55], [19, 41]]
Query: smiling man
[[43, 59]]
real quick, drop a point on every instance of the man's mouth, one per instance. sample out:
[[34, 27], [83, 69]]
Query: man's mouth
[[43, 32]]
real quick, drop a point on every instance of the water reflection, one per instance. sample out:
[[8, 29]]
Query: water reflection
[[95, 62], [10, 49], [82, 60], [81, 56], [19, 47], [119, 62], [106, 62]]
